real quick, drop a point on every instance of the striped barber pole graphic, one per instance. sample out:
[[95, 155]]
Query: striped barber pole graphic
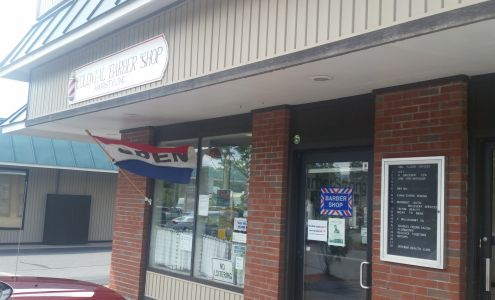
[[71, 87], [336, 201]]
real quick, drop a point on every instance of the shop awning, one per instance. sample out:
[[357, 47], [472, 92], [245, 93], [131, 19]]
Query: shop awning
[[28, 151]]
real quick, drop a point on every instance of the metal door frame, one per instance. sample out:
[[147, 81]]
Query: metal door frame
[[329, 155], [486, 240]]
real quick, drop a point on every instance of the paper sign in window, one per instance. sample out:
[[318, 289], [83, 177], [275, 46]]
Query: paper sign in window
[[222, 270], [336, 232], [317, 230]]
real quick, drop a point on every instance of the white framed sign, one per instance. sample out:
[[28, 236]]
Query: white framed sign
[[240, 224], [222, 270], [185, 242], [137, 65], [203, 205], [239, 237], [413, 211], [239, 263]]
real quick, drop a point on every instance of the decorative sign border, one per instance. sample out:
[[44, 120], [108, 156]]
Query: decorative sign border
[[137, 65], [347, 213], [439, 262]]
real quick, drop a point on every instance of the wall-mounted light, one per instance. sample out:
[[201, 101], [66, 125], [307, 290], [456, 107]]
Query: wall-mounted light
[[321, 78]]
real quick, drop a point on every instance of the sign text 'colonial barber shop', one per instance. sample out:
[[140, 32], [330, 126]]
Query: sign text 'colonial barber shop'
[[135, 66]]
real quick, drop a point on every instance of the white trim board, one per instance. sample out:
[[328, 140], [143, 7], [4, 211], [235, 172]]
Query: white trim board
[[439, 261]]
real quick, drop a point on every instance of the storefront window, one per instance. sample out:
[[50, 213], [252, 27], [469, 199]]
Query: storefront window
[[172, 223], [12, 195], [222, 209], [215, 217]]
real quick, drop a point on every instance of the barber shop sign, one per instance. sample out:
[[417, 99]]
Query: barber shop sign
[[336, 201], [137, 65]]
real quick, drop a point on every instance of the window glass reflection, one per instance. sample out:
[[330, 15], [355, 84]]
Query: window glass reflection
[[222, 209], [172, 222]]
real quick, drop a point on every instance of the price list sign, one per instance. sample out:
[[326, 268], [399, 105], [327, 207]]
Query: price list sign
[[412, 211]]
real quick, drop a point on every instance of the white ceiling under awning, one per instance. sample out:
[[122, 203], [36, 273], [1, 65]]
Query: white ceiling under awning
[[468, 50]]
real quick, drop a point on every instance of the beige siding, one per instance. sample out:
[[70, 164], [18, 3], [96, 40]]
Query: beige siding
[[163, 287], [100, 186], [207, 36]]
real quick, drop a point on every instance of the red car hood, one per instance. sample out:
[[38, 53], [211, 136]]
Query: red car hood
[[34, 288]]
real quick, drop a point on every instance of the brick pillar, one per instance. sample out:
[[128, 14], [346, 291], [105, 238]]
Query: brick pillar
[[130, 227], [426, 120], [267, 205]]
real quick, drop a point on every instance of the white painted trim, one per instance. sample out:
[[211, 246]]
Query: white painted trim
[[13, 127], [7, 164], [123, 12], [439, 262]]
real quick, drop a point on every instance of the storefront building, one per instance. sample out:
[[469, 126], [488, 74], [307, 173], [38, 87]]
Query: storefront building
[[53, 191], [344, 148]]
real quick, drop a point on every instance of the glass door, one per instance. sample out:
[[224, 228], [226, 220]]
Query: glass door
[[336, 241], [487, 241]]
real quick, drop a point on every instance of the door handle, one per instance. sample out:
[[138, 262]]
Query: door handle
[[487, 275], [361, 275]]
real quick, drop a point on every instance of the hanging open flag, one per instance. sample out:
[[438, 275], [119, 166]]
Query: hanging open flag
[[173, 164]]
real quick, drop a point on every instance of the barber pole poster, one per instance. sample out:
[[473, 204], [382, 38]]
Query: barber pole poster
[[336, 232], [336, 201]]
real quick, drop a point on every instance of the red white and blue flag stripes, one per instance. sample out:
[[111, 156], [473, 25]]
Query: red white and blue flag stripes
[[173, 164], [336, 201]]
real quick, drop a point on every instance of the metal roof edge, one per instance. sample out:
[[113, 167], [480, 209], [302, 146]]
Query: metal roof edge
[[19, 70], [50, 10], [14, 116], [471, 14], [10, 128], [2, 163]]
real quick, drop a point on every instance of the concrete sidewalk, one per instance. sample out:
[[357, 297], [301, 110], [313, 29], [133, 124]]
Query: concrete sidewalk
[[89, 262], [29, 247]]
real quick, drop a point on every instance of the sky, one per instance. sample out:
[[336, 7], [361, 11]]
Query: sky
[[16, 17]]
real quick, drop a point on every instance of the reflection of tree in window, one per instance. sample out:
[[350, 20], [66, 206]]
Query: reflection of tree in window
[[229, 169], [170, 192], [222, 196], [224, 178]]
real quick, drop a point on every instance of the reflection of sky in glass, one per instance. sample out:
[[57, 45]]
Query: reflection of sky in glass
[[211, 162], [216, 163], [344, 168]]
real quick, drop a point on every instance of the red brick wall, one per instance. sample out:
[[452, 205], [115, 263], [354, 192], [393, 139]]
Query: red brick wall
[[265, 256], [130, 227], [426, 120]]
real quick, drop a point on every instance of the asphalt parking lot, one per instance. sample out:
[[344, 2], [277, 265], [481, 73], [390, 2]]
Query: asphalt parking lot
[[89, 262]]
